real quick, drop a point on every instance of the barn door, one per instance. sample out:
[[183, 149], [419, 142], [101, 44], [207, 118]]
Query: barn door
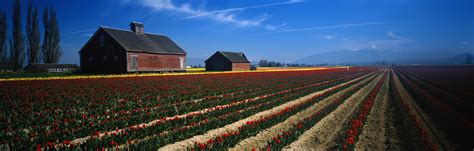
[[181, 62], [133, 63]]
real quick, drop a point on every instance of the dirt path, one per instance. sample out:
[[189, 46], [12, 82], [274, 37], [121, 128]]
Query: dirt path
[[322, 134], [434, 134], [374, 135], [260, 140], [392, 128], [189, 143], [393, 140]]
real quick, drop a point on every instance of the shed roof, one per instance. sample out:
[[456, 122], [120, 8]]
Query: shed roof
[[234, 57], [144, 42]]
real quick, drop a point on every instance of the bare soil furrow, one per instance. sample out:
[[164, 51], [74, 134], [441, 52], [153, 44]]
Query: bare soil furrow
[[261, 139], [374, 134], [321, 136]]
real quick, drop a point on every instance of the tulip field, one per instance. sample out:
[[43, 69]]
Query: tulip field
[[356, 108]]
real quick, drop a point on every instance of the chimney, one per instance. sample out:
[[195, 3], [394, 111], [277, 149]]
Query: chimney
[[137, 27]]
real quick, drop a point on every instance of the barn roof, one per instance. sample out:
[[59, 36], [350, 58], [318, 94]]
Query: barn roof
[[235, 57], [146, 42]]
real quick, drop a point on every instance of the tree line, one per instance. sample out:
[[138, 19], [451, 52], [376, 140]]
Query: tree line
[[266, 63], [20, 49]]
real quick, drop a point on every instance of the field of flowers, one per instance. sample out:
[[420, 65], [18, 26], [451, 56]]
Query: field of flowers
[[240, 111], [440, 105]]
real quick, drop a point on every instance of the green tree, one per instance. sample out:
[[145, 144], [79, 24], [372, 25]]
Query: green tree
[[3, 36], [46, 44], [33, 34], [263, 63], [51, 48], [17, 41], [55, 38]]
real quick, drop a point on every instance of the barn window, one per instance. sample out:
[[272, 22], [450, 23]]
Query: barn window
[[91, 59], [115, 58], [105, 58], [102, 40]]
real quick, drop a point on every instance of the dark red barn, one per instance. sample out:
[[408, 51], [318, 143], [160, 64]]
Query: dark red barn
[[227, 61], [112, 50]]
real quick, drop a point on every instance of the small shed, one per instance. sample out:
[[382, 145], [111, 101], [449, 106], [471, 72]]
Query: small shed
[[227, 61]]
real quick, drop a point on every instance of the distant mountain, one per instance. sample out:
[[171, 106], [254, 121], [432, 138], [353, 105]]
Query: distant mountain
[[464, 58], [192, 61], [195, 61], [367, 57]]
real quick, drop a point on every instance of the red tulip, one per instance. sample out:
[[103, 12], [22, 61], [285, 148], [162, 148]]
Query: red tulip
[[210, 141], [67, 142], [226, 135], [220, 140], [300, 125], [50, 144], [202, 146]]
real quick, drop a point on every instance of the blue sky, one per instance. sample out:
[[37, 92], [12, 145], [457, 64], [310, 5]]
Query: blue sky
[[281, 30]]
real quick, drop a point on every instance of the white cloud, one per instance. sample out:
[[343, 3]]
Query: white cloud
[[329, 37], [354, 49], [327, 27], [79, 31], [87, 35], [224, 15], [373, 46], [206, 13], [275, 27], [392, 35], [394, 44]]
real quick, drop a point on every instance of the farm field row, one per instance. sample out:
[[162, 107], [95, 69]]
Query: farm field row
[[398, 108], [193, 71]]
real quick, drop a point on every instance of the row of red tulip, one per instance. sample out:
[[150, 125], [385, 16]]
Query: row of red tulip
[[354, 126], [414, 118], [457, 108], [299, 127], [443, 93]]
